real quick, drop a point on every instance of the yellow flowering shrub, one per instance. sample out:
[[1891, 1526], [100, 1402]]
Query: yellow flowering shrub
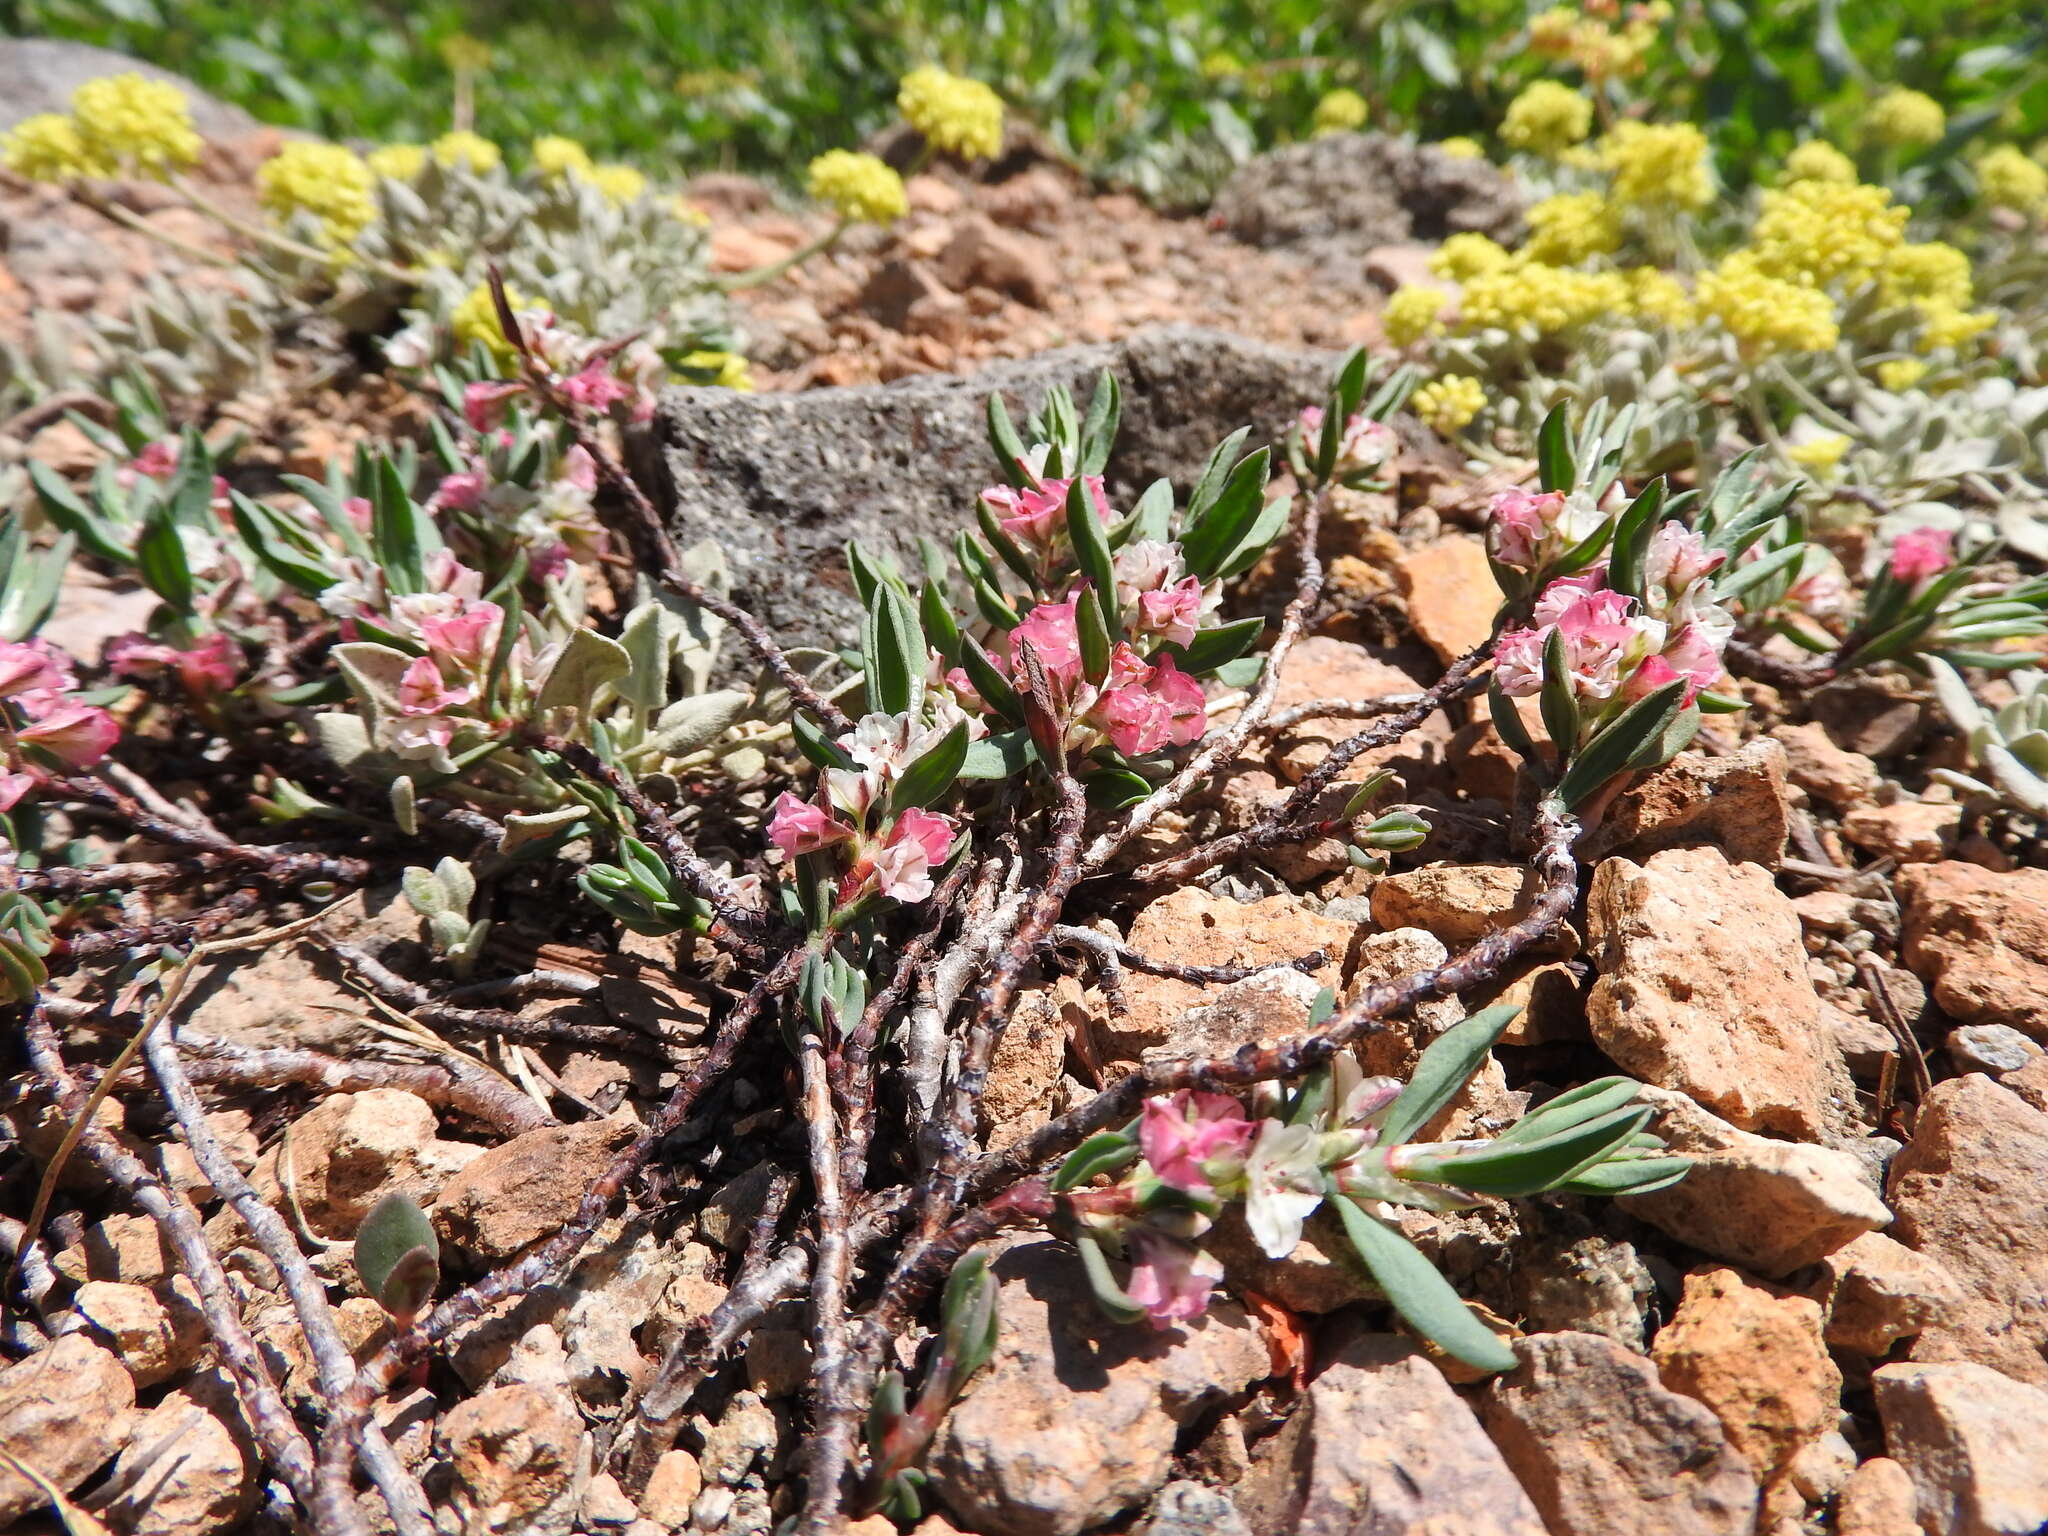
[[1531, 297], [857, 187], [135, 123], [620, 183], [2008, 179], [956, 115], [1654, 294], [1905, 119], [1943, 324], [726, 370], [476, 319], [400, 162], [1899, 374], [1340, 111], [333, 184], [1658, 165], [1464, 256], [1569, 227], [1458, 147], [1818, 160], [1547, 118], [555, 155], [1766, 314], [1821, 455], [1820, 232], [463, 148], [1412, 313], [1450, 404], [46, 147], [1926, 272]]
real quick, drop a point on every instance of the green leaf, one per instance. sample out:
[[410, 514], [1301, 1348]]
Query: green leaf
[[1629, 1176], [1554, 467], [588, 668], [1507, 721], [1638, 727], [1257, 539], [1353, 374], [816, 745], [932, 773], [1584, 1102], [1110, 1296], [649, 636], [1216, 534], [893, 652], [1632, 533], [992, 606], [285, 549], [73, 516], [1106, 1152], [1115, 788], [1009, 447], [1215, 474], [935, 615], [1515, 1169], [989, 680], [1742, 580], [160, 555], [1423, 1297], [400, 533], [1212, 648], [1091, 554], [1152, 518], [1560, 710], [1001, 755], [1445, 1066], [1093, 633], [1098, 431], [397, 1256], [969, 1325]]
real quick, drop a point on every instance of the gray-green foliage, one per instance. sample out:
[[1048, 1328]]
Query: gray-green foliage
[[2009, 743]]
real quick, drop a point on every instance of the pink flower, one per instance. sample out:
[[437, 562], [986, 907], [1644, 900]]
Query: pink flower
[[1170, 1280], [930, 831], [1922, 553], [1519, 524], [358, 511], [158, 460], [1035, 515], [465, 636], [459, 492], [211, 666], [12, 787], [1179, 1134], [76, 734], [483, 402], [1173, 612], [799, 827], [595, 388], [1136, 720], [1310, 423], [579, 468], [1050, 630], [1692, 655], [918, 842], [1676, 558], [29, 666], [1518, 662], [423, 691], [1184, 700]]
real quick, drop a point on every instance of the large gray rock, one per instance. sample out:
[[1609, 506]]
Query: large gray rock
[[1336, 197], [38, 74], [783, 481]]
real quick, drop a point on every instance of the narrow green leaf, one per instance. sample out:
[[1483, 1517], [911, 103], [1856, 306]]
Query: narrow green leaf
[[1445, 1066], [1608, 753], [1559, 709], [1554, 451], [1009, 447], [932, 773], [160, 556], [1106, 1152], [1515, 1169], [1093, 633], [1098, 432], [1423, 1297], [989, 680], [1091, 554], [1216, 533], [1212, 648], [1110, 1296]]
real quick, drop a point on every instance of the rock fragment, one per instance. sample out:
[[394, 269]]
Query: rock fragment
[[1971, 1441]]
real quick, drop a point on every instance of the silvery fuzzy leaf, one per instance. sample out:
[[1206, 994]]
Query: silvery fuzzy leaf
[[523, 827], [688, 725], [373, 673], [458, 881], [588, 669], [650, 635], [425, 892], [343, 737]]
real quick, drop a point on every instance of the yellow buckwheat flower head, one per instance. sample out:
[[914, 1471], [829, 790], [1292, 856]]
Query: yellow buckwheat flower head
[[1529, 297], [1906, 118], [1943, 324], [1767, 314], [126, 120], [1550, 32], [1822, 455], [1658, 165], [1464, 256], [399, 162], [858, 187], [731, 369], [1655, 294], [1450, 404], [331, 183], [689, 212], [1340, 111], [1901, 373], [1458, 147], [1412, 313], [462, 148], [1926, 272], [46, 147], [555, 155], [476, 319], [1547, 118], [1818, 160], [1820, 232], [955, 114], [2008, 179], [621, 183], [1569, 227]]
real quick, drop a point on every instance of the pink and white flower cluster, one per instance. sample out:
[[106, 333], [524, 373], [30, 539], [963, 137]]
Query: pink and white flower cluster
[[205, 668], [1616, 648], [39, 721], [1156, 597], [1365, 445], [1920, 554], [897, 858], [1035, 515], [1531, 530]]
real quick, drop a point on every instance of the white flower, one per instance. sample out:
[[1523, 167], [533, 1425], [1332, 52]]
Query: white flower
[[1283, 1186]]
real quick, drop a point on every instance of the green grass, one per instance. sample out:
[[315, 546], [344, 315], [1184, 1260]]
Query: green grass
[[1164, 95]]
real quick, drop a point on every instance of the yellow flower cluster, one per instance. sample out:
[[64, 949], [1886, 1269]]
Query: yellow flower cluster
[[555, 155], [1655, 294], [1907, 119], [400, 162], [1449, 404], [130, 121], [463, 148], [1598, 49], [621, 183], [1412, 313], [329, 182], [1530, 297], [1340, 111], [465, 54], [46, 147], [1950, 325], [1571, 226], [1766, 314], [1822, 455], [728, 370], [1926, 272], [1464, 256], [1547, 118], [1818, 160], [859, 188], [956, 115], [2008, 179], [475, 319], [1821, 232], [1901, 373], [1658, 165], [1459, 147]]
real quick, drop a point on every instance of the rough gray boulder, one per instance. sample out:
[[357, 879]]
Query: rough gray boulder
[[783, 481], [1336, 197], [38, 74]]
